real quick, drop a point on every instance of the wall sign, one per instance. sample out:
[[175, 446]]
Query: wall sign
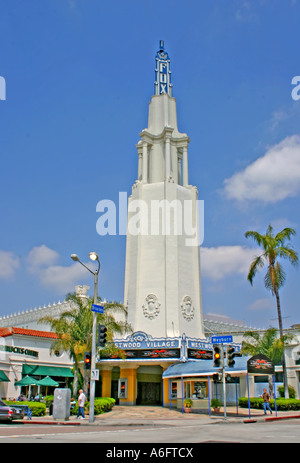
[[19, 350]]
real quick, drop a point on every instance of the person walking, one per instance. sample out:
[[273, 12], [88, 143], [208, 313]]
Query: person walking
[[266, 404], [81, 401]]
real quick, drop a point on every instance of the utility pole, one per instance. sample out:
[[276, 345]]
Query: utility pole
[[224, 381]]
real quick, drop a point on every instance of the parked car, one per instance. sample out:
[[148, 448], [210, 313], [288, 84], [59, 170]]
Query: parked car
[[9, 412]]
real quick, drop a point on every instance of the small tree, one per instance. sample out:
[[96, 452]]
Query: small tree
[[268, 344], [274, 247], [74, 330]]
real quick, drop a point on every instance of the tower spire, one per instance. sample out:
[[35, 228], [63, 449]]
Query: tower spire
[[162, 82]]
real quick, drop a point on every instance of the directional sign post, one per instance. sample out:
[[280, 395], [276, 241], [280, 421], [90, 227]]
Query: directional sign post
[[222, 340], [97, 308]]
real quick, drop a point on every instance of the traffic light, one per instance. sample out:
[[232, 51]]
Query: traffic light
[[217, 356], [217, 377], [230, 356], [102, 335], [87, 360]]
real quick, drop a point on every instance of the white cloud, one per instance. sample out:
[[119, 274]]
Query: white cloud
[[9, 263], [63, 278], [40, 256], [272, 177], [223, 261], [42, 262]]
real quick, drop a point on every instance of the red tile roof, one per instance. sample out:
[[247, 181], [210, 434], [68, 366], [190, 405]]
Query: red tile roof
[[25, 332]]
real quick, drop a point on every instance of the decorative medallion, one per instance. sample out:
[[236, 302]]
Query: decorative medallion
[[187, 308], [151, 307]]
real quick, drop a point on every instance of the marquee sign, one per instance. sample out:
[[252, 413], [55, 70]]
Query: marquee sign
[[141, 340], [141, 345]]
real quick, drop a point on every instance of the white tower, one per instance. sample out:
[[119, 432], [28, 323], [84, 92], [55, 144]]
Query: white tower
[[162, 274]]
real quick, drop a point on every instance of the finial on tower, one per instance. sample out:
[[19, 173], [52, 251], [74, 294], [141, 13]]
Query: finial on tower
[[162, 82]]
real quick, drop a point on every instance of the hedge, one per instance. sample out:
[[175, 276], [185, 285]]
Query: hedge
[[38, 408], [282, 404], [101, 405]]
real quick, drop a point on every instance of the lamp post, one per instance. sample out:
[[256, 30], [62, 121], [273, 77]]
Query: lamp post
[[93, 257]]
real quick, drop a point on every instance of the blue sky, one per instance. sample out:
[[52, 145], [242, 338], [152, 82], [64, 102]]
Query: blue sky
[[79, 77]]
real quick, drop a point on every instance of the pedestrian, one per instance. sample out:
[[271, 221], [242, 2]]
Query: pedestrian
[[266, 404], [81, 400], [72, 403]]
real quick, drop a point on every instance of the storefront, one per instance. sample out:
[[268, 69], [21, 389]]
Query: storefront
[[27, 353], [199, 381], [149, 374]]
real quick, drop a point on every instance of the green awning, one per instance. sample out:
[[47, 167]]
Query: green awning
[[3, 377], [42, 370]]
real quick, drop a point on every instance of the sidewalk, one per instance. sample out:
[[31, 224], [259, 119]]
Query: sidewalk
[[156, 416]]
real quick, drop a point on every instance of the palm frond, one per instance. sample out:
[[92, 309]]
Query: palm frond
[[284, 235], [257, 263]]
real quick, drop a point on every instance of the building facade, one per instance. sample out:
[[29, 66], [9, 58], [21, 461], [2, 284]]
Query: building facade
[[27, 352], [162, 290]]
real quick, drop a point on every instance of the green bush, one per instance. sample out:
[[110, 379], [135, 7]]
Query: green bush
[[38, 408], [292, 392], [48, 399], [282, 404], [101, 405]]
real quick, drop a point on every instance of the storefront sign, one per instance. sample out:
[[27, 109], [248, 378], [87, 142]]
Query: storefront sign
[[19, 350]]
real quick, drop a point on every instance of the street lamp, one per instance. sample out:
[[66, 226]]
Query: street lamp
[[94, 257]]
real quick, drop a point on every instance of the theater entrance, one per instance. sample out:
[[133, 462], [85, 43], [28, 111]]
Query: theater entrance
[[149, 385], [149, 394]]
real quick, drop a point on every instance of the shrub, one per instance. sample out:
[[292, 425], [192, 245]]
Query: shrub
[[282, 404], [38, 408], [101, 405], [292, 392], [48, 399]]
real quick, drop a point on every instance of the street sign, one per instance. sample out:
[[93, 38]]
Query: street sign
[[95, 375], [97, 308], [221, 339]]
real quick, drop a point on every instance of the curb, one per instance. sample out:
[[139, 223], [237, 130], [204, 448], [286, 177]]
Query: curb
[[272, 418], [61, 423], [283, 417]]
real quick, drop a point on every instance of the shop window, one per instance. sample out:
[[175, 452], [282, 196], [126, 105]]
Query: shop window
[[122, 389], [199, 390], [174, 391]]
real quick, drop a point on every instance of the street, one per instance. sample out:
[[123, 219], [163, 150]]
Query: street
[[286, 431]]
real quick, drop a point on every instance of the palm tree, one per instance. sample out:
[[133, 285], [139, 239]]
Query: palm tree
[[274, 247], [74, 330], [267, 344]]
